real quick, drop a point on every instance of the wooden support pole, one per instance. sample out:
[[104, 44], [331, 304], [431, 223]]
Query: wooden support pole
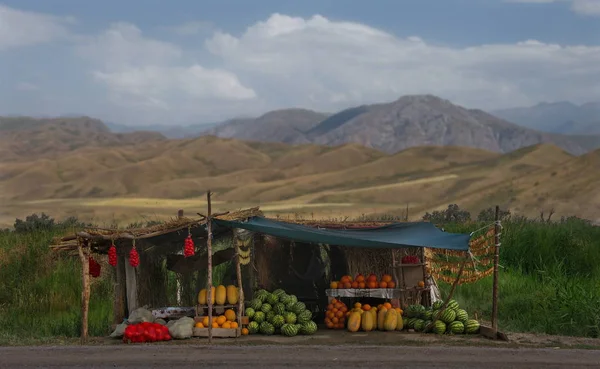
[[445, 305], [209, 277], [85, 288], [496, 262], [238, 270]]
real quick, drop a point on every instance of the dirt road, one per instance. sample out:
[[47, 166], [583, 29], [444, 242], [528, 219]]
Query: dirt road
[[271, 356]]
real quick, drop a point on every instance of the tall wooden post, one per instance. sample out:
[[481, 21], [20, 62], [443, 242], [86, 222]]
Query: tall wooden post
[[496, 262], [209, 277], [85, 288], [238, 269]]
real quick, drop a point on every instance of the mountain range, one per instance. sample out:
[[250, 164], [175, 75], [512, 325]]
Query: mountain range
[[77, 166], [559, 117]]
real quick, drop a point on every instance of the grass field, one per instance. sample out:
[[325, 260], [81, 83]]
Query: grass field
[[549, 283]]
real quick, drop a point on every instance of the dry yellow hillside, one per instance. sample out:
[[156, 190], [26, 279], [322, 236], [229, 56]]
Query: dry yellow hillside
[[154, 178]]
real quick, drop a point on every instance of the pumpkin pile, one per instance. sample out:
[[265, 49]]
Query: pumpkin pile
[[220, 295], [360, 282], [335, 316], [453, 319], [279, 313], [367, 318], [227, 320], [146, 332]]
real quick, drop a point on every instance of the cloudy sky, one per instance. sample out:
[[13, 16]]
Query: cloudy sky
[[167, 62]]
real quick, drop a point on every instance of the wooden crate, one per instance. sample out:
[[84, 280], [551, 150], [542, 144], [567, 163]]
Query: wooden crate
[[218, 332], [245, 319]]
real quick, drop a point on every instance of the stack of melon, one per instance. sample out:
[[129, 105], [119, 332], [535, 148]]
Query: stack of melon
[[227, 320], [367, 318], [220, 295], [278, 313], [453, 320]]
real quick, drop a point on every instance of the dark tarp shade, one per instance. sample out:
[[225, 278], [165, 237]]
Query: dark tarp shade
[[397, 235]]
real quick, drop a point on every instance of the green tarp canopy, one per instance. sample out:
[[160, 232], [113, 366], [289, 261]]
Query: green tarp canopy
[[396, 235]]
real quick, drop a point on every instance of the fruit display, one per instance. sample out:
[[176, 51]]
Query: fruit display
[[335, 316], [364, 317], [220, 295], [362, 282], [278, 313], [227, 320], [410, 259], [453, 320], [146, 332]]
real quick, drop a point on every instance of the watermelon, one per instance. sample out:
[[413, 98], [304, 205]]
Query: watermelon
[[439, 327], [452, 304], [437, 305], [456, 327], [293, 299], [255, 304], [250, 313], [290, 306], [304, 316], [259, 317], [261, 295], [472, 326], [269, 316], [283, 298], [462, 315], [272, 299], [448, 316], [279, 308], [278, 292], [419, 325], [410, 323], [308, 328], [426, 324], [277, 321], [253, 327], [434, 314], [266, 307], [290, 318], [427, 315], [266, 328], [289, 330], [299, 307]]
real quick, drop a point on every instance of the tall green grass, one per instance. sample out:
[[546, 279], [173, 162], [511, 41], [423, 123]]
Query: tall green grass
[[549, 283], [40, 292], [549, 280]]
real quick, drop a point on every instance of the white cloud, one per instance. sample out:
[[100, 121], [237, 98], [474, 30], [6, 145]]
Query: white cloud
[[148, 73], [22, 28], [322, 63], [584, 7]]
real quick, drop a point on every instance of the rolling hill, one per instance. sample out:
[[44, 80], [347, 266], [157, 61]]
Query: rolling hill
[[411, 121], [101, 174]]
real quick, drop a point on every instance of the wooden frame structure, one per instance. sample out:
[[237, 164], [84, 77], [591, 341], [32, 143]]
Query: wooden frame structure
[[82, 241]]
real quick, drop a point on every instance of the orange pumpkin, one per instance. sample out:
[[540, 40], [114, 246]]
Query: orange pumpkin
[[361, 285], [387, 305], [333, 285], [372, 278], [382, 284], [347, 285], [233, 325], [391, 284], [359, 278], [421, 284], [354, 284], [372, 284], [366, 307], [245, 331]]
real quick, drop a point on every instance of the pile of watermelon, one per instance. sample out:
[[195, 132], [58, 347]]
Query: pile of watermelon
[[453, 320], [279, 313], [146, 332]]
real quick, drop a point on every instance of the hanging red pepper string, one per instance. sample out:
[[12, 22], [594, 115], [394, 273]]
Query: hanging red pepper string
[[134, 257], [94, 267], [189, 249], [112, 254]]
